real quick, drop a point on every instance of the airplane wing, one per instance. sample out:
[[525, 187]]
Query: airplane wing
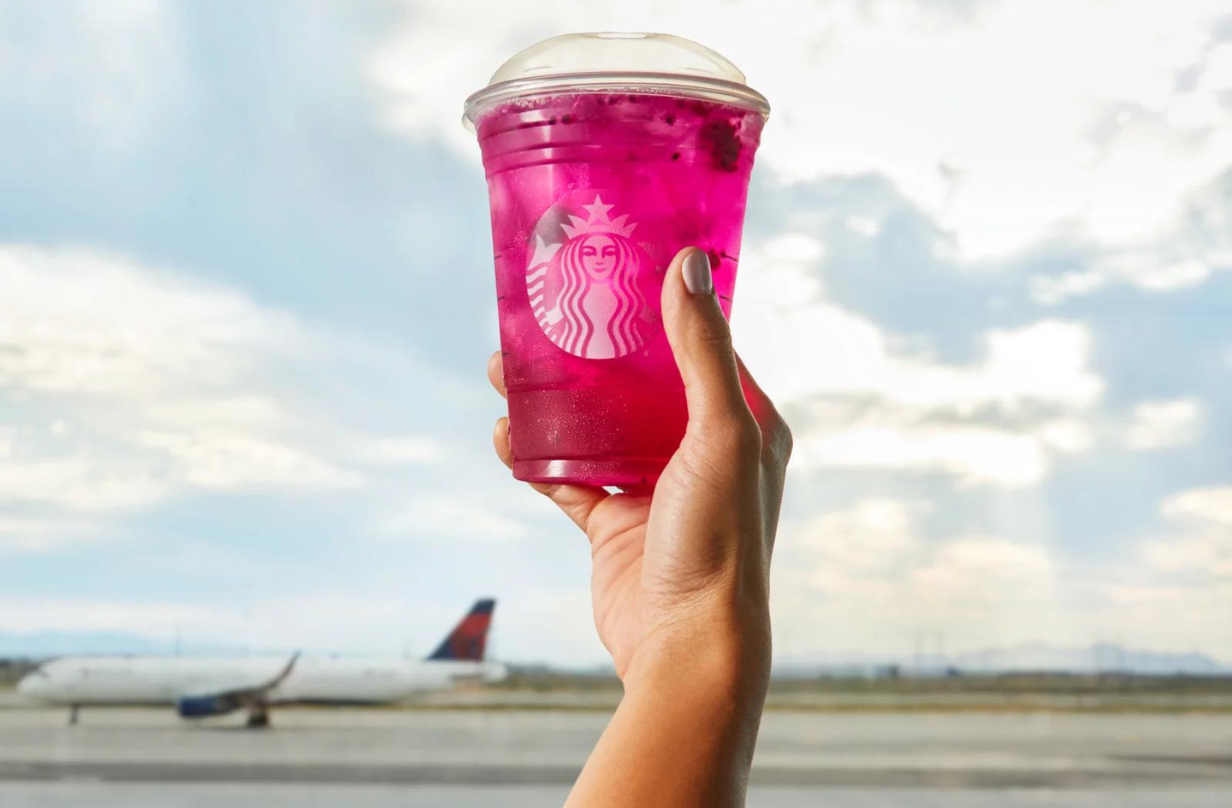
[[220, 701]]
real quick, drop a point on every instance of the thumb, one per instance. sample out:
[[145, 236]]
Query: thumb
[[701, 342]]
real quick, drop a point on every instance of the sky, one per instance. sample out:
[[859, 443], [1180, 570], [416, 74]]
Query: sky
[[246, 302]]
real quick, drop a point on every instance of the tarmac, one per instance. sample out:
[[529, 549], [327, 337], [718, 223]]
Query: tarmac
[[514, 757]]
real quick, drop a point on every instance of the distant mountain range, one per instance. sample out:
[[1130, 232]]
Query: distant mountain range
[[1036, 657], [1025, 657]]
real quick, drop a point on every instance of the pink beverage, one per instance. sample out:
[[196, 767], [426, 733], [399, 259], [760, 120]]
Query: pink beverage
[[592, 194]]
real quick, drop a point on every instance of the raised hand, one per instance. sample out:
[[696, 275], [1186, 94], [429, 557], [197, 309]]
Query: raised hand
[[685, 569]]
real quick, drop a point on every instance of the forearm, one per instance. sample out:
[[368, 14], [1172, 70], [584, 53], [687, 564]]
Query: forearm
[[684, 733]]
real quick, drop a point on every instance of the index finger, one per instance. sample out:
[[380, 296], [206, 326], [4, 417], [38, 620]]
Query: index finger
[[764, 411], [496, 373], [776, 447]]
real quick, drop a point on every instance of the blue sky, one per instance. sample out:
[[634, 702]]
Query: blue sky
[[246, 301]]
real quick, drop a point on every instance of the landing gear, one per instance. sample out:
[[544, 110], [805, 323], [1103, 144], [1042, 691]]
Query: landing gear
[[258, 717], [73, 711]]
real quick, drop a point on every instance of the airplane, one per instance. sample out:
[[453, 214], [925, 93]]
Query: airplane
[[203, 687]]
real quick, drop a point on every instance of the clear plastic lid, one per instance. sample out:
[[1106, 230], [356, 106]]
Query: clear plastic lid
[[613, 62]]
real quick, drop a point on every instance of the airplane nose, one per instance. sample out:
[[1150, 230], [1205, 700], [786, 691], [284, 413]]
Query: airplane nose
[[29, 686]]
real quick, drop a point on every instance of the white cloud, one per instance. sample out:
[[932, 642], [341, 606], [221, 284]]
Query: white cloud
[[863, 225], [1163, 424], [1178, 617], [865, 576], [1050, 290], [87, 482], [117, 68], [222, 461], [1202, 552], [1211, 506], [869, 577], [874, 402], [397, 451], [974, 454], [326, 620], [978, 448], [1001, 147], [88, 324], [794, 248], [549, 624], [1144, 269], [871, 537], [985, 566], [1195, 247], [35, 534], [471, 514], [1201, 540], [1161, 277], [152, 618], [1066, 435], [1176, 591], [153, 384], [802, 345], [1012, 132]]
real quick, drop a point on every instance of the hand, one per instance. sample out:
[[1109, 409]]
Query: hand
[[685, 569]]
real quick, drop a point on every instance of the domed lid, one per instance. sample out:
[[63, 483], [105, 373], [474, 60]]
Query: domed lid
[[607, 62]]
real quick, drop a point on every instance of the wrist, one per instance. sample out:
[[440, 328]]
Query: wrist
[[724, 657], [705, 690], [685, 731]]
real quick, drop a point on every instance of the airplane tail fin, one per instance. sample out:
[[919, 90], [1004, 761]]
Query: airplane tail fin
[[469, 638]]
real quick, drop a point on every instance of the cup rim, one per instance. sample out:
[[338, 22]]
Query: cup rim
[[668, 84]]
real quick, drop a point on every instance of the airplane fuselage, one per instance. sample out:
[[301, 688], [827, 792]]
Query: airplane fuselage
[[166, 680]]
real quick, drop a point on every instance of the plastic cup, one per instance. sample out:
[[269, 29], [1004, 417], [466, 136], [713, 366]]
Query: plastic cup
[[605, 154]]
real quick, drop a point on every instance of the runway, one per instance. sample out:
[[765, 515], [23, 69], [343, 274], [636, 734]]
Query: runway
[[78, 795], [515, 757]]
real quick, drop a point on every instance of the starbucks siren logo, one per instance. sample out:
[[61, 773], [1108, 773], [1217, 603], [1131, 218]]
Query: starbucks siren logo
[[583, 290]]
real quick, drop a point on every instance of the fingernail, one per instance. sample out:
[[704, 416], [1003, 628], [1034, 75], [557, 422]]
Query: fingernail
[[696, 271]]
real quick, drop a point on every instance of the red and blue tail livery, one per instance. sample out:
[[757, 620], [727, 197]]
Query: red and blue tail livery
[[469, 638]]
